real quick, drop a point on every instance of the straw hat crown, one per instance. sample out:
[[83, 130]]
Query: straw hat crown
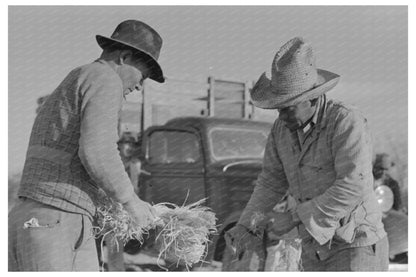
[[293, 68], [295, 78]]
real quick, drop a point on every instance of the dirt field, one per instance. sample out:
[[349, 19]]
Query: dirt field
[[146, 262]]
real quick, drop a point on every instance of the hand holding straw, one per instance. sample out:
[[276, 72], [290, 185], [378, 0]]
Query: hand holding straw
[[141, 212]]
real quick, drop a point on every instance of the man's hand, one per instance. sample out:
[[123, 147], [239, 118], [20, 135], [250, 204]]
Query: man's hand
[[281, 223], [238, 239], [142, 213]]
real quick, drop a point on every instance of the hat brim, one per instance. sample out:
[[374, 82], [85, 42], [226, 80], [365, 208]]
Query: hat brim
[[156, 72], [265, 95]]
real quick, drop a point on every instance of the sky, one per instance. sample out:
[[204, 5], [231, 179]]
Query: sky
[[366, 45]]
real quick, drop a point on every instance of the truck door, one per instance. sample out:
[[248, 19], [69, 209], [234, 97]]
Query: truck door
[[173, 167]]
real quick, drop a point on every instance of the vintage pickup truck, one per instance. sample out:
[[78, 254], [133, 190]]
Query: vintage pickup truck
[[191, 158]]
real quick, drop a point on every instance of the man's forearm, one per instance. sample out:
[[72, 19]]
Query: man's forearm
[[262, 201]]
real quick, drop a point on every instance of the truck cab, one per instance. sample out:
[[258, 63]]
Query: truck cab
[[192, 158]]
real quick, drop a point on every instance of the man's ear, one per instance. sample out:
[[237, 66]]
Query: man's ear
[[124, 55]]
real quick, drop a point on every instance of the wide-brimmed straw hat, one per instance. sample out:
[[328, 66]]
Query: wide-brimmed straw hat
[[141, 37], [295, 78]]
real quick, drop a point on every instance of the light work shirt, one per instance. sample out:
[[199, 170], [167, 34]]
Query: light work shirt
[[328, 171]]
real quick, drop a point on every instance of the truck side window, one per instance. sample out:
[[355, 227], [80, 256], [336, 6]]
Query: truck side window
[[166, 147]]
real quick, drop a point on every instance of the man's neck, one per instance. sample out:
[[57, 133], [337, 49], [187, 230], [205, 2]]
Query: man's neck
[[111, 59]]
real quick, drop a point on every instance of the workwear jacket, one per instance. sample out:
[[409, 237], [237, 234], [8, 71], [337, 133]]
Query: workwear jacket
[[328, 171]]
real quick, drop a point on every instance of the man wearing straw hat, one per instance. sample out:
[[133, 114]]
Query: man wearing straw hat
[[319, 151], [72, 156]]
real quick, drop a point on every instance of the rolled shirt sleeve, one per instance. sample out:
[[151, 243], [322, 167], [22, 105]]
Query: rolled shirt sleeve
[[271, 186], [98, 151], [352, 152]]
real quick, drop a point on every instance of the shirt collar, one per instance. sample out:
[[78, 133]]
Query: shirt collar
[[315, 116]]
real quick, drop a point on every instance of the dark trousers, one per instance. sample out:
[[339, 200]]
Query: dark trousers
[[367, 258]]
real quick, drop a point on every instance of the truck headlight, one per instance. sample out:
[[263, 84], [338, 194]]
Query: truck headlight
[[385, 197]]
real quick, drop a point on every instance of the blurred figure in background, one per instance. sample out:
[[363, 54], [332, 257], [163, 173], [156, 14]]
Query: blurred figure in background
[[382, 165], [128, 146]]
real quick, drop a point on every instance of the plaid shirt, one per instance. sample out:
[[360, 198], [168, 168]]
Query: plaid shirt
[[72, 155], [328, 171]]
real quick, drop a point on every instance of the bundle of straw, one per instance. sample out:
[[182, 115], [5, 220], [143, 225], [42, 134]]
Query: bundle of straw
[[183, 231], [115, 222], [285, 256]]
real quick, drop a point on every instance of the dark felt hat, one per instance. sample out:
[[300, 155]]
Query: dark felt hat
[[140, 37]]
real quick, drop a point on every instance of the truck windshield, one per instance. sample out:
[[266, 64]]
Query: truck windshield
[[229, 143], [166, 147]]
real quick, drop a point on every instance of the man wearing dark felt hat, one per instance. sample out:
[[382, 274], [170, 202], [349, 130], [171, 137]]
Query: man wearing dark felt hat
[[319, 152], [72, 157]]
